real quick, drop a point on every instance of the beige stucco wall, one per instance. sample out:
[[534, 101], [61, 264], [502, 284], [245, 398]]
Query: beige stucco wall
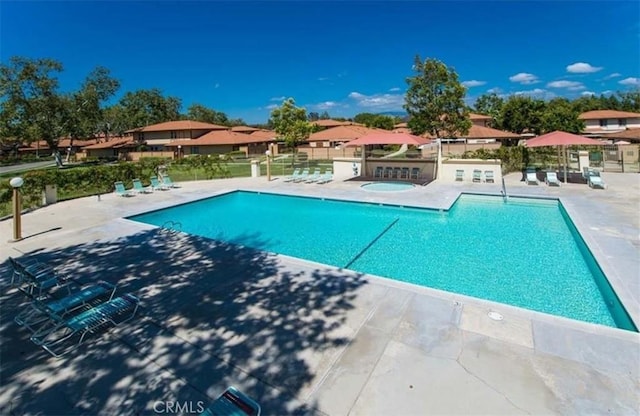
[[450, 166], [612, 124]]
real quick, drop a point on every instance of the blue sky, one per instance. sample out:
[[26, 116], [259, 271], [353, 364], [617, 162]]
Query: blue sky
[[344, 57]]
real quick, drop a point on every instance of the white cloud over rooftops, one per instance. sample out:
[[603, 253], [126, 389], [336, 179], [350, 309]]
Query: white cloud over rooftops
[[582, 68], [632, 81], [394, 89], [473, 83], [585, 93], [326, 105], [524, 78], [379, 102], [537, 93], [614, 75], [570, 85], [282, 98]]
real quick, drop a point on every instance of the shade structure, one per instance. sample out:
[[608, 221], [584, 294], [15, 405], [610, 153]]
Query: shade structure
[[561, 138], [389, 138], [564, 139]]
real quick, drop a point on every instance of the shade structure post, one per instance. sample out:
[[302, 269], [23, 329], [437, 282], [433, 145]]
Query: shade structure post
[[566, 162]]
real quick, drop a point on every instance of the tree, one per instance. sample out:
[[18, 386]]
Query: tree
[[375, 120], [145, 107], [324, 115], [199, 112], [435, 100], [290, 123], [560, 114], [313, 116], [490, 105], [522, 114]]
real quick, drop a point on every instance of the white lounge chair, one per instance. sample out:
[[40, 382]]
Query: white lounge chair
[[326, 177], [532, 178], [551, 179], [293, 176], [595, 180]]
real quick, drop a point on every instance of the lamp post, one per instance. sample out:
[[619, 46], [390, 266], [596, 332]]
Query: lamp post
[[179, 150], [16, 183], [268, 153]]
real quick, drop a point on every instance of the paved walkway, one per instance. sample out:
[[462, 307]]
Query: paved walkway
[[306, 338]]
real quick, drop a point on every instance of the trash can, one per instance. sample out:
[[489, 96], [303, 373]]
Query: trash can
[[49, 195], [255, 168]]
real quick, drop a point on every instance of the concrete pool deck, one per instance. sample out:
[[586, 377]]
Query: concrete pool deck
[[306, 338]]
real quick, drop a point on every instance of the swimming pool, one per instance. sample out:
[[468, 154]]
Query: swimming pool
[[387, 186], [525, 252]]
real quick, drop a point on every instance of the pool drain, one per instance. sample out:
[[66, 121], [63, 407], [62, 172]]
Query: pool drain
[[495, 316]]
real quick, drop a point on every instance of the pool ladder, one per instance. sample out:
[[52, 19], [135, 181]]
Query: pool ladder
[[505, 197]]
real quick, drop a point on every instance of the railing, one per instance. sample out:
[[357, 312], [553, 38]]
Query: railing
[[505, 197]]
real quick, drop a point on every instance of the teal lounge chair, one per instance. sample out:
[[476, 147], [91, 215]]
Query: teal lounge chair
[[459, 175], [293, 176], [233, 403], [155, 184], [104, 315], [54, 311], [314, 177], [326, 177], [551, 179], [488, 176], [477, 175], [121, 190], [168, 182], [595, 180], [139, 188], [302, 177]]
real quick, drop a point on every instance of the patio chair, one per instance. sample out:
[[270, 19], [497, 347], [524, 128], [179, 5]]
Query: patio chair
[[459, 175], [40, 312], [167, 181], [120, 190], [532, 177], [488, 176], [396, 173], [551, 179], [415, 173], [404, 173], [156, 184], [314, 177], [388, 171], [139, 188], [104, 315], [303, 176], [595, 180], [36, 280], [326, 177], [477, 175], [378, 172], [232, 403], [21, 266], [293, 176]]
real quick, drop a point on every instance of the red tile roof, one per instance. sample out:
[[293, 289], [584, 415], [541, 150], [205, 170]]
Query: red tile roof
[[243, 129], [341, 133], [334, 123], [265, 134], [633, 134], [219, 137], [481, 132], [179, 125], [474, 116], [606, 114], [113, 143]]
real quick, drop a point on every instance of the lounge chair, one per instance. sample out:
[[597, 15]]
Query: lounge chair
[[293, 176], [139, 188], [55, 311], [415, 173], [22, 266], [404, 173], [388, 172], [378, 172], [37, 279], [155, 184], [488, 176], [232, 403], [106, 314], [551, 179], [595, 180], [120, 190], [326, 177], [303, 176], [167, 181], [315, 176], [459, 175], [532, 177], [477, 175]]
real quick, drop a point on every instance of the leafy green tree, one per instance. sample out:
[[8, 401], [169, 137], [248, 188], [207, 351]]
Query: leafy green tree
[[435, 100], [560, 114], [629, 101], [313, 116], [199, 112], [380, 121], [587, 103], [145, 107], [522, 114], [290, 123], [490, 105]]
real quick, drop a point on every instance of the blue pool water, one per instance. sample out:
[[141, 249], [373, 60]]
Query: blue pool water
[[525, 252], [387, 186]]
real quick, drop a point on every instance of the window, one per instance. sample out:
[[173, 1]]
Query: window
[[195, 150], [174, 135], [622, 122], [603, 123]]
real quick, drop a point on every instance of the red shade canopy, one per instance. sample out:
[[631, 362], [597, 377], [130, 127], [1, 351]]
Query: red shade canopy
[[561, 138], [389, 138]]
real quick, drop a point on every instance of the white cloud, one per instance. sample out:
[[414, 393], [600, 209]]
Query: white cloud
[[614, 75], [217, 85], [582, 68], [473, 83], [271, 106], [537, 93], [322, 78], [495, 90], [630, 81], [524, 78], [342, 74], [585, 93], [278, 98], [380, 102], [394, 89], [570, 85], [326, 105], [607, 92]]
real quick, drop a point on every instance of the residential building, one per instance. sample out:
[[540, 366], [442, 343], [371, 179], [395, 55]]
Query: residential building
[[599, 123]]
